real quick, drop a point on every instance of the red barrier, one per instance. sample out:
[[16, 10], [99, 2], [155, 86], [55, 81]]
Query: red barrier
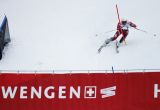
[[135, 91]]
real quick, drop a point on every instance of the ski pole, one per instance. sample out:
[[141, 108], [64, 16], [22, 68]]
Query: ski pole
[[120, 22], [109, 31], [141, 30], [145, 32], [106, 32]]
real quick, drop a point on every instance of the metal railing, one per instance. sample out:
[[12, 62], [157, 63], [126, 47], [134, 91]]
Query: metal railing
[[76, 71]]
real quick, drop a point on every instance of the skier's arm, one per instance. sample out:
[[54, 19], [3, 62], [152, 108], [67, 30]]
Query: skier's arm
[[132, 25]]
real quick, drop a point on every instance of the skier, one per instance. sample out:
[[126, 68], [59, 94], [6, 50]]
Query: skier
[[122, 28]]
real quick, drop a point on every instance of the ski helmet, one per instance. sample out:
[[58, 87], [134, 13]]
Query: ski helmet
[[124, 21]]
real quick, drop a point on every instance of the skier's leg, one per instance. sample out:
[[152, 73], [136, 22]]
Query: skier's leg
[[109, 40], [100, 48], [106, 42], [125, 34], [115, 35]]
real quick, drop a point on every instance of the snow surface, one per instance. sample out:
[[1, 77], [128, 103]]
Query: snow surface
[[61, 34]]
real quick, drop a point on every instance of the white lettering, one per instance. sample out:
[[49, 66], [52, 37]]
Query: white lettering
[[46, 92], [49, 92], [61, 92], [9, 92], [37, 93], [73, 91], [156, 90], [23, 92]]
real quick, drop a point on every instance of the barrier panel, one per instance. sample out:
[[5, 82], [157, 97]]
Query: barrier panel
[[98, 91]]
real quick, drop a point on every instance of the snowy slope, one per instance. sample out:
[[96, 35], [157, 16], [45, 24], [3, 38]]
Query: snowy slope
[[60, 34]]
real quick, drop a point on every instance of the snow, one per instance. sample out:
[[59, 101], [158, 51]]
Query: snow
[[61, 34]]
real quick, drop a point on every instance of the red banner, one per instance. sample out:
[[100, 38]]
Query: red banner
[[134, 91]]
